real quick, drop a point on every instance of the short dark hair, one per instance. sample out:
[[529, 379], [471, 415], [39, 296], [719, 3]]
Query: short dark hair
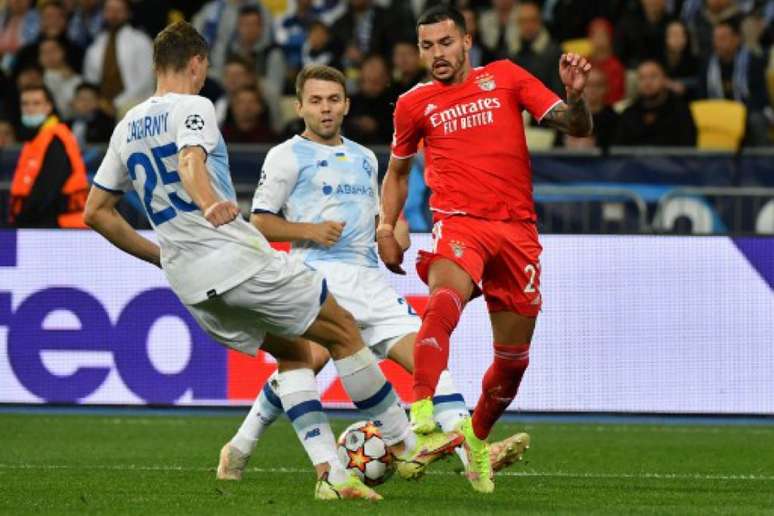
[[732, 24], [322, 73], [176, 45], [250, 9], [46, 93], [440, 13], [90, 86]]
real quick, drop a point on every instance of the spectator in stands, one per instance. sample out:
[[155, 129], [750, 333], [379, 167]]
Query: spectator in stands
[[640, 34], [19, 25], [291, 31], [535, 51], [499, 29], [49, 185], [26, 78], [60, 79], [320, 47], [267, 59], [679, 62], [733, 72], [120, 60], [7, 134], [237, 75], [370, 113], [85, 23], [53, 25], [88, 122], [407, 68], [366, 28], [250, 122], [605, 117], [657, 117], [603, 59], [478, 54], [703, 24], [217, 22]]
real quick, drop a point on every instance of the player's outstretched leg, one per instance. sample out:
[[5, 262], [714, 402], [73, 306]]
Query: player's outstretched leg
[[450, 289], [265, 410], [297, 390], [370, 391]]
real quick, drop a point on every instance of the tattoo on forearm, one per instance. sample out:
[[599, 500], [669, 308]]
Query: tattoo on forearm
[[572, 118]]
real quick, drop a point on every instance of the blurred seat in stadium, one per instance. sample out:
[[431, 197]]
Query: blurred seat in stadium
[[765, 221], [686, 214], [720, 123]]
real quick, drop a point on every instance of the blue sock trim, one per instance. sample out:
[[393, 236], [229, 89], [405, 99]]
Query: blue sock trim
[[304, 408], [448, 398], [271, 396], [377, 398]]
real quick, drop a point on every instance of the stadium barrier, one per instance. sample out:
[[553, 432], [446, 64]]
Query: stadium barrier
[[633, 324]]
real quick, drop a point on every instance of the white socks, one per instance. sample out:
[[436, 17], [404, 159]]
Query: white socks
[[298, 391], [265, 410], [373, 395]]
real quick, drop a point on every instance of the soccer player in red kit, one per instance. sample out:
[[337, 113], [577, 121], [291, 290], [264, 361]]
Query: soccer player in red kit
[[484, 235]]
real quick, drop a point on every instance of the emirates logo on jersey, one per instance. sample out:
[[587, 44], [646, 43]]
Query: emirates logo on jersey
[[486, 82], [466, 115]]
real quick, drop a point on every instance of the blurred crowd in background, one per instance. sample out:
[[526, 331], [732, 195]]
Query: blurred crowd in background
[[651, 59]]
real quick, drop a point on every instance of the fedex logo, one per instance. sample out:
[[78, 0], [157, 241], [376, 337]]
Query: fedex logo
[[81, 322]]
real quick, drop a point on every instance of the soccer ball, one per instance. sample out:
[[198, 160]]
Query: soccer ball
[[363, 453]]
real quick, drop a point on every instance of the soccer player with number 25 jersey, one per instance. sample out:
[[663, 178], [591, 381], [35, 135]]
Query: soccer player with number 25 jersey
[[484, 235]]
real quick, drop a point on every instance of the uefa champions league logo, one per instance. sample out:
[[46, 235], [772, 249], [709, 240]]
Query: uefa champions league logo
[[194, 122]]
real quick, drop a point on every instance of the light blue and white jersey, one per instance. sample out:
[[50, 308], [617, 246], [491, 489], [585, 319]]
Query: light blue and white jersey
[[198, 259], [305, 181]]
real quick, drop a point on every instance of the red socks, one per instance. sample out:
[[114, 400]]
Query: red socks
[[431, 349], [499, 386]]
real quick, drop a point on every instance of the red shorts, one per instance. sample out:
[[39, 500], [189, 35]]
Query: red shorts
[[502, 258]]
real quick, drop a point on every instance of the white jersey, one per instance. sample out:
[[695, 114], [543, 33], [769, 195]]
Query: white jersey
[[305, 181], [199, 260]]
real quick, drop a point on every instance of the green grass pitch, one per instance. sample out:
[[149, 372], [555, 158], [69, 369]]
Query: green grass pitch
[[164, 464]]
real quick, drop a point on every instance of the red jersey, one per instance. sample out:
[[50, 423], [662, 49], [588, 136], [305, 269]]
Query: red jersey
[[474, 137]]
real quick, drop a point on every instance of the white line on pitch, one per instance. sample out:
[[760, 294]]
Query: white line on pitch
[[548, 474]]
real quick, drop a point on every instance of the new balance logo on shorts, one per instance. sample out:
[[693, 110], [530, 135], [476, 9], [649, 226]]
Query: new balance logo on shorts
[[311, 434]]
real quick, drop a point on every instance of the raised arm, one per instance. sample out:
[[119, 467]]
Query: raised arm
[[196, 181], [394, 193], [572, 117], [101, 215], [277, 229]]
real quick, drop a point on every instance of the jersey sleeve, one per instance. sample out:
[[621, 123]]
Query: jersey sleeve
[[112, 174], [278, 178], [531, 93], [407, 133], [197, 124], [374, 179]]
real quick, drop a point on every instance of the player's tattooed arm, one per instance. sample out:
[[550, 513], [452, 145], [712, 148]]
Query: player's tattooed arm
[[572, 117]]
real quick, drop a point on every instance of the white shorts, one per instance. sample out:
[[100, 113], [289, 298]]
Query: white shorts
[[383, 316], [283, 299]]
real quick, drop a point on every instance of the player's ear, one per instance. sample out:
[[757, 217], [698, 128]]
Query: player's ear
[[298, 108], [467, 41], [346, 106]]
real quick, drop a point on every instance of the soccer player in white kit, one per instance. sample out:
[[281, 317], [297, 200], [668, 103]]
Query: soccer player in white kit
[[242, 292], [320, 191]]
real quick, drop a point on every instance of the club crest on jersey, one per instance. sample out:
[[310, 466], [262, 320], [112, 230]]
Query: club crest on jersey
[[486, 82], [430, 108], [458, 248]]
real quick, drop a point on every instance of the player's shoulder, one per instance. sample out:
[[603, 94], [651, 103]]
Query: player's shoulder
[[504, 67], [418, 92], [184, 103], [283, 149], [361, 149]]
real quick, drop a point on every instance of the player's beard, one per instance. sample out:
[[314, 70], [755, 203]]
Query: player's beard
[[455, 66], [325, 133]]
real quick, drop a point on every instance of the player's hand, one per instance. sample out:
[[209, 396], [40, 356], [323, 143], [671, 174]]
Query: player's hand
[[221, 212], [326, 233], [574, 71], [390, 252]]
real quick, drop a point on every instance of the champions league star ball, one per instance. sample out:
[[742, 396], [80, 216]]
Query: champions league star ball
[[363, 453]]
